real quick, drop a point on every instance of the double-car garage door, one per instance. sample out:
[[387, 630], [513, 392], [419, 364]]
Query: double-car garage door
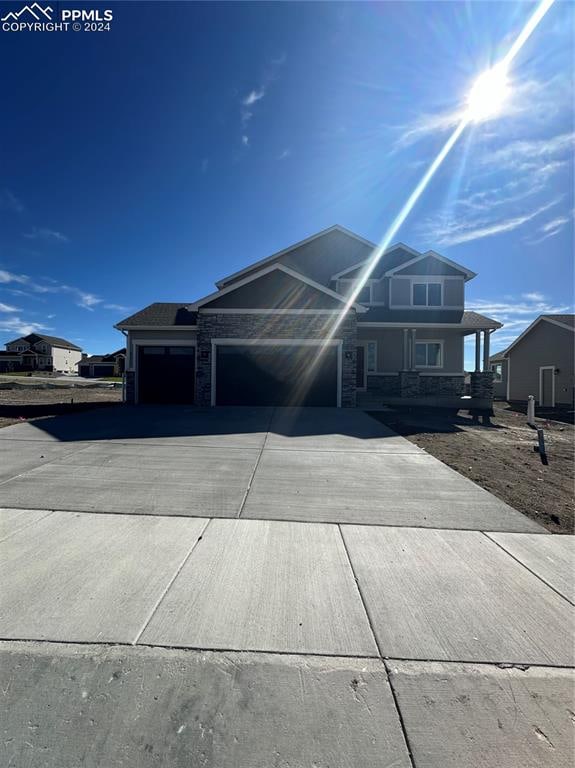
[[243, 374], [276, 374]]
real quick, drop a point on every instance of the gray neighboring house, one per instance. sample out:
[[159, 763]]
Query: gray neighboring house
[[93, 366], [285, 330], [540, 362]]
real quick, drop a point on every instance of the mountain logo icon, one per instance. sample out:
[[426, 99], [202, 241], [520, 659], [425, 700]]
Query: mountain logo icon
[[35, 10]]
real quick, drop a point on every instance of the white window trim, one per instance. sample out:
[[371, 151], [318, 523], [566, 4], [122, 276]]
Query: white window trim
[[366, 372], [427, 283], [541, 369], [430, 341], [368, 284], [338, 343], [442, 279], [133, 356]]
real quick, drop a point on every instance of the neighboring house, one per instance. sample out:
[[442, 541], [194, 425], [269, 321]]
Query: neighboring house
[[287, 330], [37, 352], [540, 362], [498, 365], [102, 365]]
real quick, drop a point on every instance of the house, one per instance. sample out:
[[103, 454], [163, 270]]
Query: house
[[300, 327], [102, 365], [38, 352], [498, 364], [540, 362]]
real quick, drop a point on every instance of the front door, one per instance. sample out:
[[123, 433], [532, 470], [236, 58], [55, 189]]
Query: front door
[[360, 368], [547, 387]]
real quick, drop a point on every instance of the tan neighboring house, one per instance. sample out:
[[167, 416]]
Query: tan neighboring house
[[38, 352], [540, 362]]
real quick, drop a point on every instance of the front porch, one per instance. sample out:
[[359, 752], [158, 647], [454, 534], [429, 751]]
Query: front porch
[[427, 376]]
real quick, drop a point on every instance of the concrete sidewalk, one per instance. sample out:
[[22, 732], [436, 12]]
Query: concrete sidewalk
[[254, 588]]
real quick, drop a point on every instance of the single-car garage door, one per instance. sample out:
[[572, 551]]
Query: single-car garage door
[[270, 374], [166, 374]]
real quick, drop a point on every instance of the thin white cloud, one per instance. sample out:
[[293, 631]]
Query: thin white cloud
[[534, 296], [549, 229], [451, 229], [9, 202], [21, 327], [257, 94], [117, 307], [254, 96], [285, 154], [84, 299], [43, 233], [8, 308]]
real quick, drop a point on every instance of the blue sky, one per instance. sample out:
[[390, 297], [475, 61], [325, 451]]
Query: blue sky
[[144, 163]]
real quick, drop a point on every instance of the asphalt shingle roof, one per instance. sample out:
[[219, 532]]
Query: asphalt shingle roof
[[55, 341], [565, 319], [161, 314]]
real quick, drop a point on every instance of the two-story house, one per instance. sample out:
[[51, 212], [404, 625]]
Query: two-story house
[[38, 352], [328, 321]]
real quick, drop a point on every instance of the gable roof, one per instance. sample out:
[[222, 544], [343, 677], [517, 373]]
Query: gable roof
[[432, 254], [110, 358], [55, 341], [285, 270], [362, 248], [398, 253], [563, 321], [161, 315]]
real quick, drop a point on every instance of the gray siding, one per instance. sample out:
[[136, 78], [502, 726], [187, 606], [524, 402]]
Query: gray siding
[[275, 290], [453, 293], [430, 266], [545, 344], [390, 347], [400, 291]]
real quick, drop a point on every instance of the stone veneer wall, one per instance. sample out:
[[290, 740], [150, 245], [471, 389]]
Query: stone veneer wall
[[482, 384], [383, 386], [236, 326], [442, 386], [129, 386]]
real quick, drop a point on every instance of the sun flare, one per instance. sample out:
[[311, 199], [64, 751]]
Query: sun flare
[[488, 94]]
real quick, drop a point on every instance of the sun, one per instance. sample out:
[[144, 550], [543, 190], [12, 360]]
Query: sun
[[488, 94]]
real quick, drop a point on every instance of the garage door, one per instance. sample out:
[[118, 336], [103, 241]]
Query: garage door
[[276, 375], [104, 370], [166, 374]]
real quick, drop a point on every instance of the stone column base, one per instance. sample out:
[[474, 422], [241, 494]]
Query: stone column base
[[129, 387], [481, 385], [409, 384]]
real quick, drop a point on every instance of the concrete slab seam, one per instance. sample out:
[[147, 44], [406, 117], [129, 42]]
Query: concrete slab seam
[[507, 552], [170, 582], [256, 465], [371, 626], [45, 463], [32, 522]]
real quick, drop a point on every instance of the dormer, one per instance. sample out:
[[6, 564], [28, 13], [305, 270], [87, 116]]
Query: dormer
[[405, 279]]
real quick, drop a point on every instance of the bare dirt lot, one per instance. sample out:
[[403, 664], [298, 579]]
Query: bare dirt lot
[[28, 402], [500, 457]]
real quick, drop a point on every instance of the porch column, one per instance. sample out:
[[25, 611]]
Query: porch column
[[412, 361], [405, 365], [486, 337], [477, 351]]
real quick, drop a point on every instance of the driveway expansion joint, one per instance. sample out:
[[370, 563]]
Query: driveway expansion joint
[[534, 573]]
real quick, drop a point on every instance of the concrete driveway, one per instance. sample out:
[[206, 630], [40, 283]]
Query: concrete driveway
[[271, 587]]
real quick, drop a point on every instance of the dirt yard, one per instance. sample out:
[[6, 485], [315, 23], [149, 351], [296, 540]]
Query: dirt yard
[[28, 402], [501, 458]]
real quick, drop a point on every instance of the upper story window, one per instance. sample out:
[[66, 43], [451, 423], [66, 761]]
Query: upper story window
[[363, 297], [427, 294]]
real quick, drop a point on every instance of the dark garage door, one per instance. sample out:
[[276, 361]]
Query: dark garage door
[[276, 375], [104, 370], [166, 374]]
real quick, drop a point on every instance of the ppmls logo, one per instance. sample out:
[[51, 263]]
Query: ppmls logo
[[39, 18], [30, 12]]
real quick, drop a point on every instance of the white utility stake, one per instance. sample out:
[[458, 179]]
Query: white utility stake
[[531, 411]]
